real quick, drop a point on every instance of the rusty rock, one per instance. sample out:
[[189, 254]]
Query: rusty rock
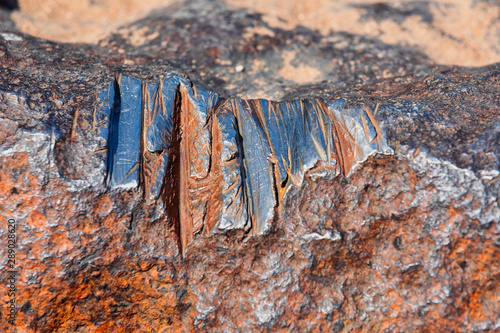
[[407, 241]]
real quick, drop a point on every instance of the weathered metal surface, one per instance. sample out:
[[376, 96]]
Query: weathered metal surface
[[156, 142], [407, 242], [125, 133]]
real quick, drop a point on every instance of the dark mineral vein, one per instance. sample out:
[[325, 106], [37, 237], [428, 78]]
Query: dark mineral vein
[[217, 163]]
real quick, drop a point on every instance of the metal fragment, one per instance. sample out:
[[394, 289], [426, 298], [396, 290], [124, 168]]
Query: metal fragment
[[219, 164]]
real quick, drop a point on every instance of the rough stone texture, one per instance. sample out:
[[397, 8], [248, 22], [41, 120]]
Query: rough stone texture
[[409, 242]]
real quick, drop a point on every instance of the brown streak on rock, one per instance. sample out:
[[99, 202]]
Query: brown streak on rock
[[215, 178], [174, 190], [322, 111], [145, 122], [75, 123], [416, 152], [344, 153], [256, 107], [149, 162], [186, 222], [365, 128], [343, 148], [375, 124]]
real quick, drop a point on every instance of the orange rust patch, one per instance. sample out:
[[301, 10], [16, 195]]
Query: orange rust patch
[[103, 205], [36, 219]]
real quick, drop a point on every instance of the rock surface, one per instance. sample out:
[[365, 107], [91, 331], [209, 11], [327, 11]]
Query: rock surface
[[407, 242]]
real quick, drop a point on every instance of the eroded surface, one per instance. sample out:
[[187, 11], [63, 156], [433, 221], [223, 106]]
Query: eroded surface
[[407, 242]]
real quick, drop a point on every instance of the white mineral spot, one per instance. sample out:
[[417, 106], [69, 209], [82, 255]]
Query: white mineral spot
[[333, 236], [239, 68], [489, 174], [9, 37]]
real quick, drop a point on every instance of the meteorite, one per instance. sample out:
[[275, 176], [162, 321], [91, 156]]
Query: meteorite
[[220, 163]]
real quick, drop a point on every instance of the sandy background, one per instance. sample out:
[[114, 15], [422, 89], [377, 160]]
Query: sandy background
[[459, 32]]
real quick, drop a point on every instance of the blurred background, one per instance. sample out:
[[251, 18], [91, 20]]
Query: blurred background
[[450, 32]]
